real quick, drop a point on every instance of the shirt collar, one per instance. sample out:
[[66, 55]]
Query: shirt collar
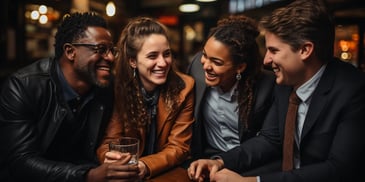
[[68, 92], [229, 96], [305, 91]]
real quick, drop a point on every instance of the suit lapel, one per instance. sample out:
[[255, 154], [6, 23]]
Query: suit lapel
[[200, 85], [283, 106], [319, 98]]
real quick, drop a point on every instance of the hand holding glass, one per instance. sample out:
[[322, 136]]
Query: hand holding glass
[[126, 145]]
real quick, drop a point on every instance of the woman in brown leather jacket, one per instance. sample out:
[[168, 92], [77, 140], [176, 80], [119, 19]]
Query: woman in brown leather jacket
[[153, 101]]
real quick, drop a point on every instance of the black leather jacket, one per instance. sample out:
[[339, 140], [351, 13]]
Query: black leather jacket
[[32, 109], [262, 102]]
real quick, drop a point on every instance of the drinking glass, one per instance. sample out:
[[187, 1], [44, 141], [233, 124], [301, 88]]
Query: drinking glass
[[126, 145]]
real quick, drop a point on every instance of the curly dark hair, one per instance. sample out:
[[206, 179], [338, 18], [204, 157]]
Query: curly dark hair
[[239, 33], [130, 106], [73, 26]]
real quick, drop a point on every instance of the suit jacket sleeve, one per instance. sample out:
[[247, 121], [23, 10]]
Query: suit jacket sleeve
[[258, 150]]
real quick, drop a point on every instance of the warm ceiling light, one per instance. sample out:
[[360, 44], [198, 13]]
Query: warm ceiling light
[[110, 8], [206, 1], [34, 15], [189, 8], [43, 19], [42, 9]]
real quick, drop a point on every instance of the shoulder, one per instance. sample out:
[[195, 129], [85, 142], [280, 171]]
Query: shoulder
[[33, 75], [195, 64], [266, 77], [265, 81], [188, 80], [264, 89], [29, 85], [197, 57], [344, 73], [40, 67], [189, 85], [345, 68]]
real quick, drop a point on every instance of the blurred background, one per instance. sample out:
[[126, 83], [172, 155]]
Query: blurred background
[[28, 26]]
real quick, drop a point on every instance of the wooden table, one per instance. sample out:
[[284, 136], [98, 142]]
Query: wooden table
[[178, 174]]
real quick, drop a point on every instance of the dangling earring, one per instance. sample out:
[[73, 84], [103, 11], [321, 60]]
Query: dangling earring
[[238, 76], [134, 72]]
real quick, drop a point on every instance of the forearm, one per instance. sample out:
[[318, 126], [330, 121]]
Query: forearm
[[39, 169], [24, 160]]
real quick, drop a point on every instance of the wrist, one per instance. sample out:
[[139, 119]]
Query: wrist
[[146, 171], [220, 163], [89, 176]]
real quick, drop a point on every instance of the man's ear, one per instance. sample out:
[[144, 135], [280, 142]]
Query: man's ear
[[307, 50], [69, 51]]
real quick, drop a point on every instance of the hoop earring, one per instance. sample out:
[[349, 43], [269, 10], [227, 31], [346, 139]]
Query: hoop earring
[[238, 76], [134, 72]]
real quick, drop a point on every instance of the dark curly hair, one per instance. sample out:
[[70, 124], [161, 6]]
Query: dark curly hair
[[130, 106], [73, 26], [239, 33]]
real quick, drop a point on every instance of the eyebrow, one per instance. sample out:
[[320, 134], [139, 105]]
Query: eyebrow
[[213, 58]]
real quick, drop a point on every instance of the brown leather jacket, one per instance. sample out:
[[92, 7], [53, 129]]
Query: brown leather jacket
[[174, 131]]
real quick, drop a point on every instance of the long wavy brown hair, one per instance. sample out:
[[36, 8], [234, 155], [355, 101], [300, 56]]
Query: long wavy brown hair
[[129, 103], [239, 34]]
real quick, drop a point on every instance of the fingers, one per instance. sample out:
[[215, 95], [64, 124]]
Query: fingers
[[117, 170], [113, 171], [191, 171], [213, 170], [125, 158], [114, 156], [197, 170], [143, 169]]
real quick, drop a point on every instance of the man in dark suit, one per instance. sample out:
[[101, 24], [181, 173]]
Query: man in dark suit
[[331, 115]]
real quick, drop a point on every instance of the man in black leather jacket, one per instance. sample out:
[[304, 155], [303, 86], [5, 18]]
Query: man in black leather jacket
[[54, 111]]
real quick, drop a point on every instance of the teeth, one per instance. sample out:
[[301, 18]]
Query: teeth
[[104, 68], [210, 75], [158, 71]]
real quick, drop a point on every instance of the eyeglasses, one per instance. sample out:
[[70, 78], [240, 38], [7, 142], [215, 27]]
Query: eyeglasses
[[101, 49]]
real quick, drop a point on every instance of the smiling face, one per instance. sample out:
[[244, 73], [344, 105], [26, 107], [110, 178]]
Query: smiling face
[[89, 66], [218, 65], [287, 64], [153, 61]]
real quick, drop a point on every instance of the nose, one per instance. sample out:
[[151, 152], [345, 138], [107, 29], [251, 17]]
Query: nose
[[267, 59], [109, 56], [206, 63], [161, 61]]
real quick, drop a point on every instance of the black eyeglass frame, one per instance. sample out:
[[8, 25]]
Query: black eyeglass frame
[[101, 49]]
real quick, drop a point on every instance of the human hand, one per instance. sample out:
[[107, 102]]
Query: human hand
[[204, 168], [143, 169], [226, 175], [113, 156], [119, 171]]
